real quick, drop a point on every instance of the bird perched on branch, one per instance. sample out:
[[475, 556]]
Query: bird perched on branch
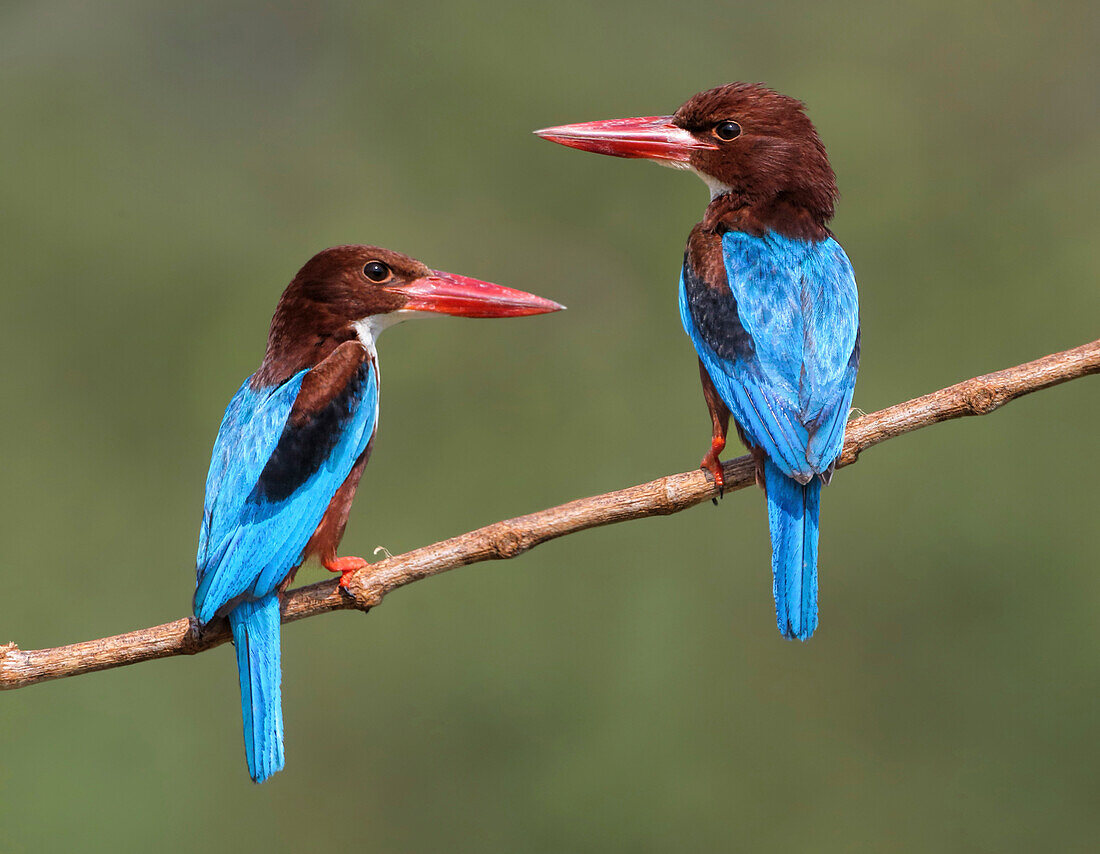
[[767, 297], [293, 444]]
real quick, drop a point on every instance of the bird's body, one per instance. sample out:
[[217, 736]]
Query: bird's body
[[292, 447], [277, 465], [774, 324], [768, 299]]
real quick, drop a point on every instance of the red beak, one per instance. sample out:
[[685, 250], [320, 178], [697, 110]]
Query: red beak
[[448, 293], [651, 137]]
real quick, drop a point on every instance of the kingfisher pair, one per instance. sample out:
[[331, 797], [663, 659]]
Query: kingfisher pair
[[767, 297]]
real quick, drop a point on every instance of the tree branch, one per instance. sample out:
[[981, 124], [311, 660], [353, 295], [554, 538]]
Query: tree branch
[[671, 494]]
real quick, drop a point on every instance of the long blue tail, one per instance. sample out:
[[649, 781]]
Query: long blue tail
[[256, 637], [792, 518]]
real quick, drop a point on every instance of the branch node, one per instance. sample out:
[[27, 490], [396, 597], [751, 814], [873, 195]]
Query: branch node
[[509, 542], [365, 588], [367, 595], [983, 400]]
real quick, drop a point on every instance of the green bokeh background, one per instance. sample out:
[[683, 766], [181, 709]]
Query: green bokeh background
[[166, 169]]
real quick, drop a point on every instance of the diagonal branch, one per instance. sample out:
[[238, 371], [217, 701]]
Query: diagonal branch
[[671, 494]]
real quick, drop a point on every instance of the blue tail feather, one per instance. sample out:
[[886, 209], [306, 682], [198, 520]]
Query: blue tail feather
[[792, 517], [255, 627]]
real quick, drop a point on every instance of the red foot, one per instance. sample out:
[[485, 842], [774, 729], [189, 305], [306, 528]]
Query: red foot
[[712, 464], [345, 566]]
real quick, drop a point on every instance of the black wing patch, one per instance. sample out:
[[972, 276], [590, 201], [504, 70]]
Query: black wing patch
[[713, 309], [307, 443]]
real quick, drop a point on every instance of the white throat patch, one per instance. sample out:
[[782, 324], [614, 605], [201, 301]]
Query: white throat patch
[[715, 186], [369, 328]]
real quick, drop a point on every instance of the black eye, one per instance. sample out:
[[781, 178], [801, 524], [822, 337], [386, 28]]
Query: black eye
[[727, 130], [376, 271]]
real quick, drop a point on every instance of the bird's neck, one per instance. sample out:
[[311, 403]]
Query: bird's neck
[[737, 210], [301, 337]]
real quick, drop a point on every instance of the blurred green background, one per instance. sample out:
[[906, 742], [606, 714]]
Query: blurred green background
[[167, 167]]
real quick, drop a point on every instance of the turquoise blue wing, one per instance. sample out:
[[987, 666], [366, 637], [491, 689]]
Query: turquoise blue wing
[[271, 479], [780, 343], [251, 428]]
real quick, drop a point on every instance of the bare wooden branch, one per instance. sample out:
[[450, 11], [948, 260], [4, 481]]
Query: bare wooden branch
[[671, 494]]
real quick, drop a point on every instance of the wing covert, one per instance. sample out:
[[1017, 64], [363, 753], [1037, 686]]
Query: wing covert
[[789, 380], [283, 459]]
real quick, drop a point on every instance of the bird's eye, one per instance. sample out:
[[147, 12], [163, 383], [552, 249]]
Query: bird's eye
[[376, 271], [727, 130]]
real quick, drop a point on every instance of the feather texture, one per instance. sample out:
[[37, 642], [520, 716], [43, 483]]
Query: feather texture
[[775, 322], [254, 526], [282, 453], [255, 626], [792, 519]]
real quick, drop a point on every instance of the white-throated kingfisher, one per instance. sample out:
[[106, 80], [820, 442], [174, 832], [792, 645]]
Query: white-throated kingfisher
[[767, 297], [293, 444]]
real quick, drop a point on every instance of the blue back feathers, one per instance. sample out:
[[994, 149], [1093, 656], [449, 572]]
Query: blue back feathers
[[789, 380], [262, 505], [271, 479], [781, 345]]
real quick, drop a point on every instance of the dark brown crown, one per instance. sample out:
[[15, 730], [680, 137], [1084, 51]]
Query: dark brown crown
[[776, 166]]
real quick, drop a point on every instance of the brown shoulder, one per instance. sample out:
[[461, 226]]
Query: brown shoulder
[[704, 256], [327, 381]]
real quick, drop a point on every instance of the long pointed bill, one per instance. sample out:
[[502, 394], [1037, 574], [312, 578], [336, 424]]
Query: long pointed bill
[[461, 296], [651, 137]]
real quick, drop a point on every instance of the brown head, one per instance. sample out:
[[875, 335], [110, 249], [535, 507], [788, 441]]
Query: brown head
[[746, 141], [349, 292]]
